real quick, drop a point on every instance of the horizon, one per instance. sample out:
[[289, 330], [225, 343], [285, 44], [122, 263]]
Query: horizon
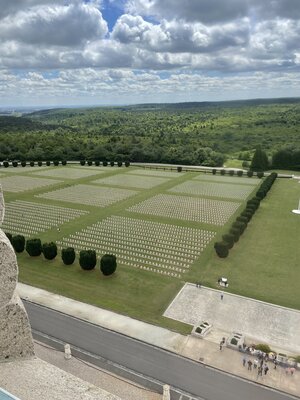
[[62, 106], [125, 52]]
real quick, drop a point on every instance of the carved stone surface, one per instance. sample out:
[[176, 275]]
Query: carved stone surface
[[2, 207], [15, 332], [8, 270]]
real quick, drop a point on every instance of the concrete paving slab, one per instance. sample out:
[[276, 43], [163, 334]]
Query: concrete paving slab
[[264, 322]]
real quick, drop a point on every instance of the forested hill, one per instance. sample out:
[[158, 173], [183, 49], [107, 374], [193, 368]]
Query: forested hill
[[190, 133]]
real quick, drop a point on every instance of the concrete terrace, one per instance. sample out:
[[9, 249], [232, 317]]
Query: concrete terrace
[[263, 322]]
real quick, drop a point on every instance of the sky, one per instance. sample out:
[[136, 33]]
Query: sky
[[110, 52]]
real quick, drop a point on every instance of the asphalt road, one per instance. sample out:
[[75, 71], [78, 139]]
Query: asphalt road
[[177, 371]]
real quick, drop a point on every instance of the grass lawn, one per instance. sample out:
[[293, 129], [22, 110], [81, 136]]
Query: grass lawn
[[263, 264]]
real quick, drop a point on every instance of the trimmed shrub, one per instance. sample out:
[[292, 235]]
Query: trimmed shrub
[[31, 163], [260, 174], [87, 259], [48, 163], [235, 232], [18, 243], [179, 169], [108, 264], [242, 219], [231, 172], [263, 347], [68, 255], [9, 236], [222, 172], [90, 162], [229, 238], [82, 162], [5, 164], [23, 163], [64, 162], [240, 173], [250, 173], [104, 163], [120, 163], [40, 163], [15, 164], [221, 249], [112, 163], [241, 226], [127, 163], [214, 171], [55, 163], [261, 194], [34, 247], [97, 163], [49, 250], [247, 214]]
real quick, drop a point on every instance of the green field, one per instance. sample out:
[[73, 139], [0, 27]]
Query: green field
[[162, 238]]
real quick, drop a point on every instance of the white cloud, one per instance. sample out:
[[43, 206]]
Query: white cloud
[[105, 86], [190, 10], [177, 36], [54, 25], [214, 11]]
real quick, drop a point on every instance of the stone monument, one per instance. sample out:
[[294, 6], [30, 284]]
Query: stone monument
[[15, 332]]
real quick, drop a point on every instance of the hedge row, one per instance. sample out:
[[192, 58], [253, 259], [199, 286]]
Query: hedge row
[[105, 163], [97, 163], [15, 164], [238, 227], [232, 172], [87, 258]]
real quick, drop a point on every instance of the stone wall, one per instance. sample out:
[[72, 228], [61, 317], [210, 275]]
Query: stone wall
[[15, 332]]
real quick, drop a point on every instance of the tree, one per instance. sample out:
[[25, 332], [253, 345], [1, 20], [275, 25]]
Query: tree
[[34, 247], [221, 249], [68, 255], [49, 250], [18, 243], [108, 264], [87, 259], [259, 161]]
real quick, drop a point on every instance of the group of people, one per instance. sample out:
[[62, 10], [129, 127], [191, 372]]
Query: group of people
[[258, 364]]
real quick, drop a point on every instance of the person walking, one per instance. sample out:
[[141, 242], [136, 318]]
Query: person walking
[[259, 371], [244, 361], [222, 295], [266, 369], [249, 365], [255, 363]]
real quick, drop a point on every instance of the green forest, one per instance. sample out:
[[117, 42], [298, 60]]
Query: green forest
[[184, 133]]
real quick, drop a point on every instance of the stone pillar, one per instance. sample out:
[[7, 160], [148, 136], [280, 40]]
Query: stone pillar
[[15, 332], [166, 393]]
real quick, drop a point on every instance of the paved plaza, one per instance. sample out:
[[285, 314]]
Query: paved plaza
[[263, 322]]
